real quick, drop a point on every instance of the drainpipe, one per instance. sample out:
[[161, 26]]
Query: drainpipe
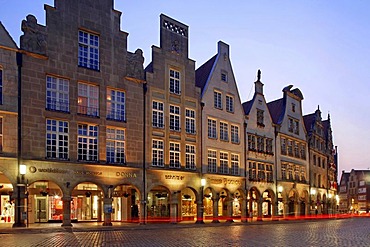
[[144, 217]]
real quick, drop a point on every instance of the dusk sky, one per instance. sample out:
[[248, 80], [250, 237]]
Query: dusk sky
[[320, 47]]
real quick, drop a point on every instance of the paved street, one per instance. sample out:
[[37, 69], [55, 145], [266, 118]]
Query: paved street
[[339, 232]]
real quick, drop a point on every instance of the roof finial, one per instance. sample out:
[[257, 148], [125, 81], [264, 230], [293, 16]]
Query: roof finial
[[259, 75]]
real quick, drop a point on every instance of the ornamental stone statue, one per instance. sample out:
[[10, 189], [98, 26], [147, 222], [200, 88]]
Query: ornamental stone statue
[[135, 64], [34, 37]]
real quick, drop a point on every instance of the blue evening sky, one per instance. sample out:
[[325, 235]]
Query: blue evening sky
[[321, 47]]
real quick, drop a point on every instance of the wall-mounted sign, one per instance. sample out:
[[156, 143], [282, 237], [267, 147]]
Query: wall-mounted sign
[[174, 177]]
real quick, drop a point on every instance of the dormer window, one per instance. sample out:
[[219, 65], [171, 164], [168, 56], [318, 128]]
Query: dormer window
[[224, 76]]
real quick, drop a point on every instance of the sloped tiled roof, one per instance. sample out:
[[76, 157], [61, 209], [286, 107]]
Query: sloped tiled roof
[[308, 120], [149, 68], [247, 106], [276, 109], [203, 72]]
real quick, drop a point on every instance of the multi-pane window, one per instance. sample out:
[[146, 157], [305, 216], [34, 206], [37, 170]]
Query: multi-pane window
[[234, 134], [260, 118], [296, 173], [88, 99], [251, 142], [190, 157], [88, 50], [269, 173], [87, 148], [269, 146], [283, 171], [57, 94], [1, 134], [229, 103], [224, 131], [296, 127], [217, 100], [224, 76], [115, 145], [57, 139], [303, 174], [224, 163], [157, 114], [252, 171], [283, 146], [175, 155], [212, 161], [1, 86], [303, 151], [234, 164], [296, 150], [174, 118], [261, 171], [157, 153], [260, 144], [290, 125], [290, 147], [290, 172], [190, 121], [212, 130], [175, 82], [116, 102]]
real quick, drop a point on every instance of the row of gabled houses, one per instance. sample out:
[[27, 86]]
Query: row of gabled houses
[[89, 134]]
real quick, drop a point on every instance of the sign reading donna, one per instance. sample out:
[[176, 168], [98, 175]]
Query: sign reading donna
[[34, 169]]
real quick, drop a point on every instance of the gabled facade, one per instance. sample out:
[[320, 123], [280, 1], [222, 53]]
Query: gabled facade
[[222, 136], [173, 127], [291, 150], [260, 152], [343, 192], [82, 118]]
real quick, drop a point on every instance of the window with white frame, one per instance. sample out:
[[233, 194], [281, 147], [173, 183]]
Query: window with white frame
[[116, 105], [251, 142], [174, 118], [57, 94], [252, 171], [234, 133], [115, 145], [87, 142], [88, 99], [212, 161], [175, 82], [224, 163], [224, 131], [229, 103], [217, 98], [234, 164], [157, 114], [212, 128], [157, 153], [283, 146], [1, 134], [1, 86], [190, 121], [175, 155], [88, 50], [190, 157], [57, 139]]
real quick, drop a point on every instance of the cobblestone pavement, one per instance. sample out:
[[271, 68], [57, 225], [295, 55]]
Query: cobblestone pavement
[[339, 232]]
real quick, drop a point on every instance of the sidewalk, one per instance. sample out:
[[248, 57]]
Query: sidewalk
[[7, 228]]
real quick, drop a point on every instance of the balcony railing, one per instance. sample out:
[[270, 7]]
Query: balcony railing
[[116, 115], [55, 105], [88, 111]]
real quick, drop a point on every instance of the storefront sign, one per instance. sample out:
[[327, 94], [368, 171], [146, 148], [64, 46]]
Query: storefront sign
[[174, 177], [33, 169], [224, 181], [126, 174]]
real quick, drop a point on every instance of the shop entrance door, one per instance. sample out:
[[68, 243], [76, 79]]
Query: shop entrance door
[[41, 213]]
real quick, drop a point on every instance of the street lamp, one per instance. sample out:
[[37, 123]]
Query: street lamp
[[200, 202], [20, 186]]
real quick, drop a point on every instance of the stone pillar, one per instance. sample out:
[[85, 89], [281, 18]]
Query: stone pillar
[[200, 211], [19, 198], [67, 211], [143, 212], [107, 205], [243, 206], [229, 210], [259, 208], [174, 208], [215, 209]]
